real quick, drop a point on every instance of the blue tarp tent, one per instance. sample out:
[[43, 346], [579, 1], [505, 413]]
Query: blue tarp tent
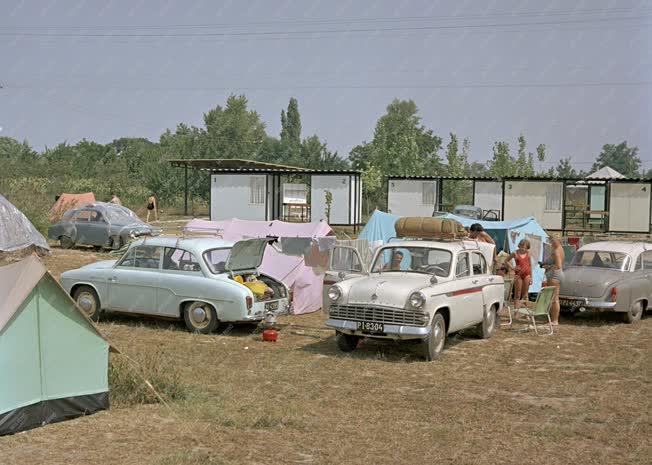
[[507, 234]]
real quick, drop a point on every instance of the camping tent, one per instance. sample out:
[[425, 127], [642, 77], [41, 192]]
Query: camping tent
[[305, 283], [507, 234], [16, 231], [67, 201], [53, 361]]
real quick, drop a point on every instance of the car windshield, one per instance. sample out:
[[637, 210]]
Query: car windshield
[[601, 259], [121, 215], [216, 259], [414, 259]]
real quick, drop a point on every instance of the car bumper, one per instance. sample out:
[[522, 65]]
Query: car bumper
[[583, 303], [391, 331]]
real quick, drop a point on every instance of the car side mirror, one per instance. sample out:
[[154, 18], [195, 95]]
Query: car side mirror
[[433, 279], [341, 275]]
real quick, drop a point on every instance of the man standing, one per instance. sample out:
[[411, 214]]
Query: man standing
[[114, 199]]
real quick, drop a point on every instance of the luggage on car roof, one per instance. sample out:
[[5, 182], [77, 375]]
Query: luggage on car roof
[[428, 227]]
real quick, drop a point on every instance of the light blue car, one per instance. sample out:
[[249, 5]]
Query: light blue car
[[194, 279]]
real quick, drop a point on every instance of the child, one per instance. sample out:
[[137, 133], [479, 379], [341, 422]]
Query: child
[[523, 270]]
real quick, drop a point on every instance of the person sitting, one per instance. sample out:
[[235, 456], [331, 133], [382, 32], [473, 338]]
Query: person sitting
[[395, 264]]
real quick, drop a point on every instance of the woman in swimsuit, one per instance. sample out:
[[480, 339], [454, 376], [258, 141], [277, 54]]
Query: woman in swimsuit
[[152, 206], [523, 270]]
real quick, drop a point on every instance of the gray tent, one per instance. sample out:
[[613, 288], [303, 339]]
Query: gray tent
[[17, 232]]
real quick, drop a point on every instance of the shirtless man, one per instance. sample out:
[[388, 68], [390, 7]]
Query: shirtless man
[[477, 233]]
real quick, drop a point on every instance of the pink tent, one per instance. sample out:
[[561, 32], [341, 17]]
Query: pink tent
[[302, 280]]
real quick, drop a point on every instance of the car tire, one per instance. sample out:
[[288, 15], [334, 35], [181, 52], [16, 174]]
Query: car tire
[[346, 342], [117, 242], [87, 300], [486, 329], [66, 242], [200, 317], [433, 344], [634, 313]]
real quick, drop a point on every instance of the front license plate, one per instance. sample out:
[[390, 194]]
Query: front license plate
[[367, 327], [271, 306]]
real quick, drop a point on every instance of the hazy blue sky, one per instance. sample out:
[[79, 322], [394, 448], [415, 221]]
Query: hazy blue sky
[[572, 75]]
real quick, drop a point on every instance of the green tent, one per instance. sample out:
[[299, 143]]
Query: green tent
[[53, 360]]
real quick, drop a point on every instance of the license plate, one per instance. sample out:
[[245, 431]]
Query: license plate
[[571, 303], [271, 306], [367, 327]]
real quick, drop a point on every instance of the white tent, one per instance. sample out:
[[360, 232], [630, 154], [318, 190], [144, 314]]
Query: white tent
[[606, 172], [17, 232]]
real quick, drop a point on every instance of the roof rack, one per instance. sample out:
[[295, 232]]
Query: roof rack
[[201, 232]]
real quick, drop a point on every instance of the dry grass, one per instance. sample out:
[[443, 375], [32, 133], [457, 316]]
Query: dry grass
[[580, 396]]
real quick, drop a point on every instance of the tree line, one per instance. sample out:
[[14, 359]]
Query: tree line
[[401, 145]]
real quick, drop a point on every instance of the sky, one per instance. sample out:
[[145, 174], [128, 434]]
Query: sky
[[571, 75]]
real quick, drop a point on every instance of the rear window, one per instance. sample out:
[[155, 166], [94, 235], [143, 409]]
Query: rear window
[[601, 259], [216, 259]]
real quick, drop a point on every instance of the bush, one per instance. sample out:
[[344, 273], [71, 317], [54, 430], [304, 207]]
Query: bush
[[127, 386]]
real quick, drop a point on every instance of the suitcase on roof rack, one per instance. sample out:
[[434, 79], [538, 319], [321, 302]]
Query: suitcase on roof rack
[[429, 228]]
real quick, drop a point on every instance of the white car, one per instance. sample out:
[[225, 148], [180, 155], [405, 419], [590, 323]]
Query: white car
[[203, 281], [419, 289]]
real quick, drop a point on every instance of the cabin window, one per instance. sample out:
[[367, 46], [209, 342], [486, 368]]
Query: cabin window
[[553, 197], [427, 193], [257, 191]]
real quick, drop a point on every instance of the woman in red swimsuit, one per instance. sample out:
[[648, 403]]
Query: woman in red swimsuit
[[523, 270]]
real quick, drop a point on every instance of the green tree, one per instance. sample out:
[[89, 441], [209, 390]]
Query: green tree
[[565, 170], [457, 165], [502, 163], [291, 123], [401, 146], [233, 131], [620, 157]]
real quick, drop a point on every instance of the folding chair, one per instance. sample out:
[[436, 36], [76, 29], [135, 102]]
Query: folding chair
[[541, 307], [507, 301]]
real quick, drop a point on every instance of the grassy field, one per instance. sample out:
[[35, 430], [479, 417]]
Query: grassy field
[[581, 396]]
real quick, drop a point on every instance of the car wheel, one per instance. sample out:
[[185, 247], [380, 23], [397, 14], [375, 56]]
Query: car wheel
[[117, 242], [346, 342], [66, 242], [634, 313], [200, 317], [87, 299], [433, 344], [486, 329]]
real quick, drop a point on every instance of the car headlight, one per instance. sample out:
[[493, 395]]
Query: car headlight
[[417, 300], [334, 293]]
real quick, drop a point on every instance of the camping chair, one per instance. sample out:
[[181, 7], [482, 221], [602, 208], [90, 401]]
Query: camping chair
[[508, 302], [541, 307]]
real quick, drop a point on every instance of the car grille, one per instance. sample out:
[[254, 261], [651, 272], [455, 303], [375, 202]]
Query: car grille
[[379, 315]]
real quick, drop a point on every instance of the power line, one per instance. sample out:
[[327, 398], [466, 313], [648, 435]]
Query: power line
[[307, 21], [322, 31], [352, 86]]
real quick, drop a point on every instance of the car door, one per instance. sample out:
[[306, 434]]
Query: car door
[[135, 279], [96, 230], [491, 291], [466, 298], [80, 226], [180, 273], [344, 263]]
